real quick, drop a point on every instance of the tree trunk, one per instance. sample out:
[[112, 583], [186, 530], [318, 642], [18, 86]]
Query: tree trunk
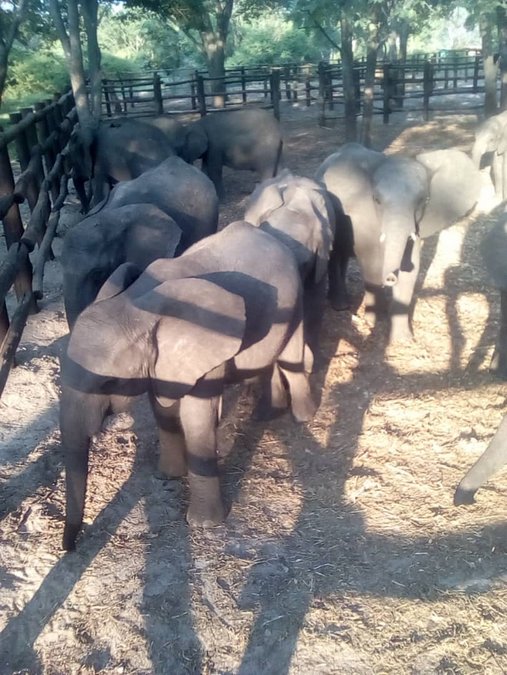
[[90, 16], [490, 67], [4, 58], [214, 50], [501, 16], [347, 54], [369, 84]]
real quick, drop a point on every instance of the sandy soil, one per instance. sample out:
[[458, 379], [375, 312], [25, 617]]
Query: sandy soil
[[342, 552]]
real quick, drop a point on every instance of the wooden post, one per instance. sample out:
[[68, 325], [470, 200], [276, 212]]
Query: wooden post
[[13, 225], [157, 94], [243, 85], [201, 96], [476, 73], [105, 85], [386, 88], [275, 92], [31, 135], [193, 102], [24, 155], [4, 322], [427, 88], [286, 75], [329, 89], [308, 89], [456, 67], [356, 74]]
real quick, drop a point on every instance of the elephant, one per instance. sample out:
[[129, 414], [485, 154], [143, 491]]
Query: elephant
[[491, 140], [391, 203], [228, 309], [491, 460], [298, 211], [120, 150], [179, 190], [97, 245], [240, 139], [189, 141], [493, 248]]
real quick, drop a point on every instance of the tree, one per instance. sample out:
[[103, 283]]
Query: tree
[[12, 15], [66, 16], [206, 23]]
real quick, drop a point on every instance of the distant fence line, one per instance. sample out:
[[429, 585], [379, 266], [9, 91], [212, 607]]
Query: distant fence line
[[39, 138], [420, 76]]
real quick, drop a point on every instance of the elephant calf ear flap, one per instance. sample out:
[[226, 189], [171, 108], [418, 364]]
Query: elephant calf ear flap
[[265, 199], [120, 279], [201, 327], [455, 184]]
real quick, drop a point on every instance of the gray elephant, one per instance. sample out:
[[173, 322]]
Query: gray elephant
[[491, 461], [240, 139], [96, 246], [179, 190], [189, 141], [391, 203], [228, 309], [120, 150], [491, 143], [298, 212], [494, 252]]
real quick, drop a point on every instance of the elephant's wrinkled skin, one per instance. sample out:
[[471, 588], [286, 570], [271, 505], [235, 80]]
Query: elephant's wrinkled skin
[[494, 252], [189, 141], [240, 139], [96, 246], [230, 306], [298, 211], [139, 222], [120, 150], [491, 461], [391, 203], [491, 144]]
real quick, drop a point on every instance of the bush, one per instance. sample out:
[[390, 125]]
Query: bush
[[36, 75]]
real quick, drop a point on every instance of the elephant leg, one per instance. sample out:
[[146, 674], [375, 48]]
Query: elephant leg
[[337, 271], [499, 358], [273, 400], [212, 165], [172, 459], [491, 460], [497, 168], [375, 303], [314, 306], [80, 187], [292, 365], [199, 419], [403, 293], [80, 419]]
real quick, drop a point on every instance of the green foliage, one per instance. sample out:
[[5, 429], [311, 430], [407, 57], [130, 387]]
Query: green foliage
[[37, 74], [271, 39]]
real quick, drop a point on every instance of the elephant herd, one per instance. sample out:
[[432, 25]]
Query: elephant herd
[[159, 301]]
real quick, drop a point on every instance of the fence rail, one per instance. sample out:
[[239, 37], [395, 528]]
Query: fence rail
[[39, 138]]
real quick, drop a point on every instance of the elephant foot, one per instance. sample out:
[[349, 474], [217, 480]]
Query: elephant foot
[[70, 533], [339, 304], [400, 334], [462, 496], [498, 365], [304, 409], [211, 516]]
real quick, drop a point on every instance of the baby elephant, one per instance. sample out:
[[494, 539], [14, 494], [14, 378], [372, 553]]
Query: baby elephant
[[491, 460], [228, 309], [298, 212], [96, 246]]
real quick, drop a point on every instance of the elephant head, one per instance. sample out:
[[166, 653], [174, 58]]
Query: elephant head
[[297, 211], [490, 136], [189, 141], [95, 247]]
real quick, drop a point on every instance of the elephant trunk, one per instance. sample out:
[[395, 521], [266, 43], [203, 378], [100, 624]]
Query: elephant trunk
[[394, 241], [491, 460], [478, 150]]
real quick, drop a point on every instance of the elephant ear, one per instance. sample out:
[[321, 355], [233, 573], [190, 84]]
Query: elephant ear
[[266, 198], [310, 199], [123, 277], [201, 326], [152, 235], [455, 185]]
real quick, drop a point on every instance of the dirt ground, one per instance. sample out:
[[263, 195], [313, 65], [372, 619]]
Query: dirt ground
[[342, 552]]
